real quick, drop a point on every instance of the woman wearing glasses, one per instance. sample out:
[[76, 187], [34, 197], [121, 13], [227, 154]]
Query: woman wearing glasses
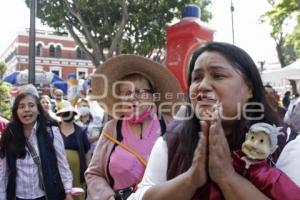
[[133, 90]]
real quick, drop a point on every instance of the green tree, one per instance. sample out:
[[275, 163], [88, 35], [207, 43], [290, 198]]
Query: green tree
[[5, 110], [287, 43], [111, 27]]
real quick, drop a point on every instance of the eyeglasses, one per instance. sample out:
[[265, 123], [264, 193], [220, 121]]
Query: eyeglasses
[[139, 93]]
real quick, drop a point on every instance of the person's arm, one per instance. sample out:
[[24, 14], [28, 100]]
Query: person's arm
[[181, 187], [287, 161], [87, 146], [155, 186], [185, 185], [3, 178], [94, 135], [155, 173], [93, 138], [62, 162], [236, 187], [95, 175]]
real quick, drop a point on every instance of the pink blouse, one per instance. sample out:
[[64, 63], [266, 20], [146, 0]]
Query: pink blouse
[[124, 167]]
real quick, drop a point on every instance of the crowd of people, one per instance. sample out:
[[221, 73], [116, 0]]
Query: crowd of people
[[233, 138]]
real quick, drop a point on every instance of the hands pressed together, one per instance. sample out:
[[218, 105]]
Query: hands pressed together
[[212, 156]]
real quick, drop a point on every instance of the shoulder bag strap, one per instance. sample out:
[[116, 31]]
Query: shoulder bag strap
[[127, 148], [119, 130], [37, 161], [162, 123]]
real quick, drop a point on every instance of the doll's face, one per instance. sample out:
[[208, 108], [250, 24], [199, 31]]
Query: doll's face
[[257, 146]]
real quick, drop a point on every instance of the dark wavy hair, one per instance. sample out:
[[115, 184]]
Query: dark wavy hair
[[13, 136], [182, 144]]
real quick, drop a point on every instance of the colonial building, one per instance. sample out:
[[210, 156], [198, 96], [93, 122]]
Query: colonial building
[[54, 53]]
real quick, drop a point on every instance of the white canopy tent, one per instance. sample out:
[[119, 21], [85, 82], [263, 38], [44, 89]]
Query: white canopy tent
[[280, 78], [290, 72]]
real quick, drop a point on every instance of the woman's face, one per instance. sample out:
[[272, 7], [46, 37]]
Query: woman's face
[[215, 80], [27, 111], [136, 96], [85, 118], [45, 104]]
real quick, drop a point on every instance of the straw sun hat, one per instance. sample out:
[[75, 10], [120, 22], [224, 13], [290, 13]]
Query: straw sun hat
[[116, 68]]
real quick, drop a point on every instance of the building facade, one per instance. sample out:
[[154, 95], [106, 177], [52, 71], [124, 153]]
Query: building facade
[[54, 53]]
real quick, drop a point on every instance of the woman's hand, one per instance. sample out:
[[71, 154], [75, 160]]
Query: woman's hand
[[198, 170], [69, 197], [219, 161]]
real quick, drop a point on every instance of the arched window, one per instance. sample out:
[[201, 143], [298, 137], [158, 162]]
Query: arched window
[[39, 50], [58, 52], [51, 51]]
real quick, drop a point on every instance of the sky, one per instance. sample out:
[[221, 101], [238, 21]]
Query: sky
[[250, 35]]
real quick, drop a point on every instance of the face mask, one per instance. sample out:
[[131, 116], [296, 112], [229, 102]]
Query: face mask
[[68, 120], [140, 118]]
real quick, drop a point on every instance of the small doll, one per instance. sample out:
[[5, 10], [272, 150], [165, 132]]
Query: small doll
[[261, 142], [252, 162]]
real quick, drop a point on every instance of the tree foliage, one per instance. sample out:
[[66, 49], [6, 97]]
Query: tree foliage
[[5, 110], [113, 27], [287, 43]]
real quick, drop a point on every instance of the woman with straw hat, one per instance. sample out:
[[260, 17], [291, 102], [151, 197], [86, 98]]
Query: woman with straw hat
[[142, 96]]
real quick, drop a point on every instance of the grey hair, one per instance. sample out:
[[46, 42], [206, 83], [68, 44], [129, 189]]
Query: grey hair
[[272, 131]]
